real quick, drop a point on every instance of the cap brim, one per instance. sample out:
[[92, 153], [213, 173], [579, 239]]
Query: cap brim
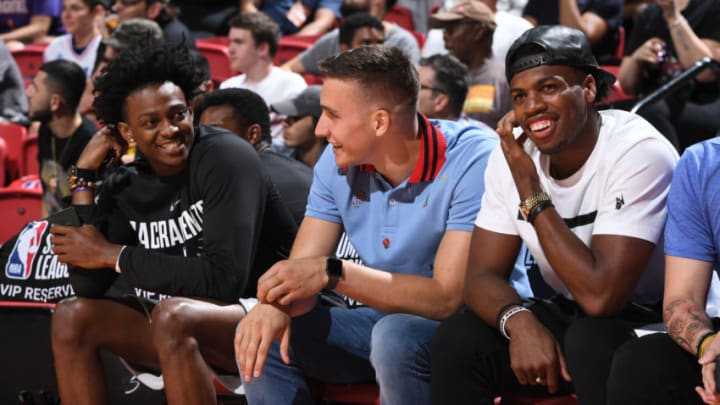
[[441, 20], [287, 108], [112, 42], [605, 76]]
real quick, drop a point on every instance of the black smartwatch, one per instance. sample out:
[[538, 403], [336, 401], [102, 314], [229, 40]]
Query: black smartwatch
[[334, 270]]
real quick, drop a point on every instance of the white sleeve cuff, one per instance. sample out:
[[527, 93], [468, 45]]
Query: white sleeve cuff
[[117, 262]]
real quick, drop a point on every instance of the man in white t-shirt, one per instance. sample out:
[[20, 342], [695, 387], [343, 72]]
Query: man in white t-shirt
[[253, 43], [591, 188]]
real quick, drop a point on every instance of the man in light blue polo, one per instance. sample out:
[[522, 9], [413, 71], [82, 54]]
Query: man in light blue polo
[[406, 190]]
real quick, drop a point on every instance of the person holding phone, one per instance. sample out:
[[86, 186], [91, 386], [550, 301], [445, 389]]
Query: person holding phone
[[680, 366], [194, 215], [591, 190]]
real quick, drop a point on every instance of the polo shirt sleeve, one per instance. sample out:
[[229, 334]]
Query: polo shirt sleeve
[[632, 199], [321, 201], [494, 214], [470, 188], [688, 231]]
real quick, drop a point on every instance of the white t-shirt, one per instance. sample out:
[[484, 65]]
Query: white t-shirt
[[509, 28], [61, 48], [279, 85], [621, 190]]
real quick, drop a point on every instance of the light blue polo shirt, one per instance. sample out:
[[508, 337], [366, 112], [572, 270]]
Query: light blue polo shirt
[[399, 229]]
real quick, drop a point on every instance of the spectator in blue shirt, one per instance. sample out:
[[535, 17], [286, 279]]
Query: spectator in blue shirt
[[305, 17]]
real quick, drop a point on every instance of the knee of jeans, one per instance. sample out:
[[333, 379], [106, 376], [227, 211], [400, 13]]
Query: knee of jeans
[[393, 341]]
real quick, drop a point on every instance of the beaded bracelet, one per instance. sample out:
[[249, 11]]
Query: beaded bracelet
[[506, 316], [81, 188], [80, 182]]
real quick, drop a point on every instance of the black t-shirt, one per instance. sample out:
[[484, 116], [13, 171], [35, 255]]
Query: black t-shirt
[[210, 231], [702, 16], [547, 12], [67, 150], [54, 163], [175, 32], [291, 178]]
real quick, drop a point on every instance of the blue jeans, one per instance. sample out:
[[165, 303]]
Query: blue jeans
[[350, 346]]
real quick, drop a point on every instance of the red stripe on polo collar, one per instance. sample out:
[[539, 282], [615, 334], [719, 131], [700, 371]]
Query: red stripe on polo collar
[[432, 153]]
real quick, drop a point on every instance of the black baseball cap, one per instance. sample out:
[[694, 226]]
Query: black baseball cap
[[305, 103], [554, 45]]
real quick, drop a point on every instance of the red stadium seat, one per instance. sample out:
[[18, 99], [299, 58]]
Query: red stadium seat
[[14, 136], [620, 50], [616, 92], [401, 16], [30, 153], [224, 40], [29, 60], [3, 156], [218, 58], [291, 46], [420, 38], [18, 207]]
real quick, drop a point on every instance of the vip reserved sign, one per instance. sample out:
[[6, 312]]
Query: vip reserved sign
[[32, 273]]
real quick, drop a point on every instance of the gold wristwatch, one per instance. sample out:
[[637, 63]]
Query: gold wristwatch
[[527, 205]]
